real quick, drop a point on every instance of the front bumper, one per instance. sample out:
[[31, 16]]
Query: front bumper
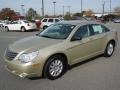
[[24, 70]]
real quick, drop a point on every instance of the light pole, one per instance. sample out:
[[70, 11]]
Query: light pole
[[110, 6], [103, 6], [63, 10], [23, 10], [54, 7], [69, 7], [43, 8], [110, 11], [81, 5]]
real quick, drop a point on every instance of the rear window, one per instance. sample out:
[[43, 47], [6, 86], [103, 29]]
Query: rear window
[[97, 29]]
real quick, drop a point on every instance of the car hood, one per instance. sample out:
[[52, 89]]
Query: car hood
[[32, 43]]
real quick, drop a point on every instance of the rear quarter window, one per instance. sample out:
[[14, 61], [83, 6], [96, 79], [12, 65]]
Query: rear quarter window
[[97, 29]]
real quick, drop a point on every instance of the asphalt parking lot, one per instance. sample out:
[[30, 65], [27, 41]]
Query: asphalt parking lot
[[98, 74]]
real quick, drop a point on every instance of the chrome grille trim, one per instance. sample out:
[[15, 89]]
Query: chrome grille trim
[[10, 55]]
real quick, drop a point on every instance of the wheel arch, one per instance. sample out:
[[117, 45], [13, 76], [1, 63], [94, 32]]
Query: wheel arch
[[113, 41], [62, 54], [45, 26], [22, 27]]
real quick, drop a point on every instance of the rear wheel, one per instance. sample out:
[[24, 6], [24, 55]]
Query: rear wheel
[[109, 49], [55, 67], [6, 29], [23, 29]]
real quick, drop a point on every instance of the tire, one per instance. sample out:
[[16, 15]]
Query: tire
[[55, 67], [6, 29], [109, 49], [45, 27], [23, 29]]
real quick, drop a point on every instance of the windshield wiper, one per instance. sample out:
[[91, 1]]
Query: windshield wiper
[[45, 36]]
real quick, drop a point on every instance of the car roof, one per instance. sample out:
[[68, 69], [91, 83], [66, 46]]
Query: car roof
[[77, 22], [51, 18]]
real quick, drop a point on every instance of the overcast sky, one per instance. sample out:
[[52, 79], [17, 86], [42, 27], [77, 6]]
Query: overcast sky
[[95, 5]]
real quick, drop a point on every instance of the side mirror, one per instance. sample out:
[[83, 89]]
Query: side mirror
[[76, 38]]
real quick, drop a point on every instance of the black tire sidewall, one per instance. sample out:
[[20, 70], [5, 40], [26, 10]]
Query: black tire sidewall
[[45, 27], [6, 29], [22, 29], [50, 60]]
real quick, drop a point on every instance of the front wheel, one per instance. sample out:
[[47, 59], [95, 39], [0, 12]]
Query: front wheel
[[55, 67], [109, 49]]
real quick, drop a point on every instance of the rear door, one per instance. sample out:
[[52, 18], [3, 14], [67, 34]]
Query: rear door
[[98, 37]]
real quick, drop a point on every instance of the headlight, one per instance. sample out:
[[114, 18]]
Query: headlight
[[25, 58]]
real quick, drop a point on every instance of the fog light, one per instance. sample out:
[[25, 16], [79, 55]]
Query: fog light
[[23, 75]]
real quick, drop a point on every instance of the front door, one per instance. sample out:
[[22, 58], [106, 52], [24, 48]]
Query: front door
[[80, 49]]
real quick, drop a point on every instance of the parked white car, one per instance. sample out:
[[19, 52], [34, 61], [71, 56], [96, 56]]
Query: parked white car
[[117, 20], [2, 24], [21, 25], [45, 22]]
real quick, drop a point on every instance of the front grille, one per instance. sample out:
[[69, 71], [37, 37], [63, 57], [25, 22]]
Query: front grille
[[10, 55]]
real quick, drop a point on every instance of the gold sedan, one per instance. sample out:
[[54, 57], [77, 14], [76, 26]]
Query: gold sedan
[[65, 43]]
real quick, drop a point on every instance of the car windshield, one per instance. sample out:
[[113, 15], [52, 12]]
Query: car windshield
[[57, 31]]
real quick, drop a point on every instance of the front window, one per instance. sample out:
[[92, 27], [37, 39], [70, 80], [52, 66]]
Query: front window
[[82, 32], [57, 31]]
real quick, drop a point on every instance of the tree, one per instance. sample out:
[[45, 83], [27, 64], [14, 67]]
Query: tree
[[67, 16], [7, 13], [117, 10], [32, 14], [78, 14], [88, 13]]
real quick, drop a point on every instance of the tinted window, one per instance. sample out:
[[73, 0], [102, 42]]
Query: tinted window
[[82, 32], [45, 20], [56, 20], [105, 29], [50, 20], [91, 30], [15, 22]]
